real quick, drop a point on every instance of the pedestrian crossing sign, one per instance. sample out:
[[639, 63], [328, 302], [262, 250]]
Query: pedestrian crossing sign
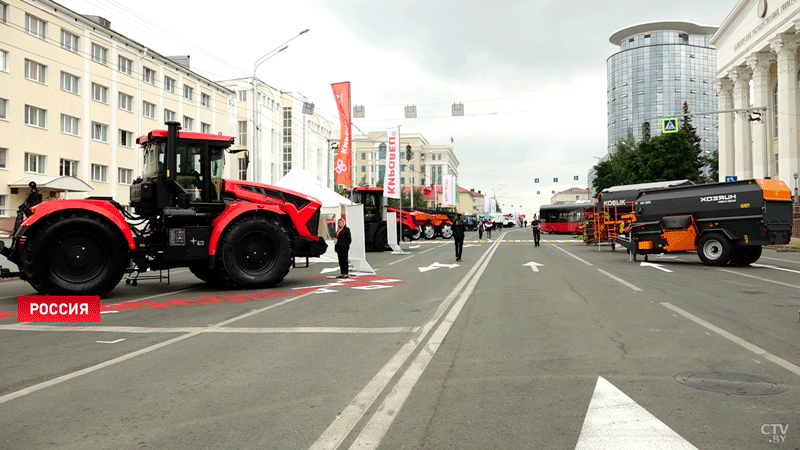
[[669, 125]]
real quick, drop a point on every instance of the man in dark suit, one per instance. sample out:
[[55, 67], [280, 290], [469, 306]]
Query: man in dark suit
[[342, 247], [458, 237]]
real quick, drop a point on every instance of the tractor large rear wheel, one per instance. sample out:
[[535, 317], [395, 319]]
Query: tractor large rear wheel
[[428, 231], [417, 234], [745, 256], [255, 252], [75, 255], [381, 242], [210, 276], [714, 249], [446, 230]]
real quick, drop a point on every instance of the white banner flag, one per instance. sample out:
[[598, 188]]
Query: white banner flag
[[493, 207], [487, 204], [449, 190], [391, 178]]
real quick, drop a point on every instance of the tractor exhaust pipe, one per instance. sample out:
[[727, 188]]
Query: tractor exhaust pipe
[[172, 147]]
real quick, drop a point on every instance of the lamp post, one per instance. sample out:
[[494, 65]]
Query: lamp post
[[795, 186], [256, 121]]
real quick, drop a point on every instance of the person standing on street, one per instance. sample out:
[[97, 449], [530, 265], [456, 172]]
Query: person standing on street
[[489, 226], [458, 237], [342, 247], [481, 227], [536, 225]]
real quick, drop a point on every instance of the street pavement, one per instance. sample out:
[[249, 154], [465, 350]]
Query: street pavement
[[517, 347]]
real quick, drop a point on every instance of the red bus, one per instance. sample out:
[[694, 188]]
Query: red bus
[[566, 218]]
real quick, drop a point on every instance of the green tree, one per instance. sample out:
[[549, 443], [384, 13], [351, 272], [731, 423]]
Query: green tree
[[713, 167], [694, 139], [419, 200]]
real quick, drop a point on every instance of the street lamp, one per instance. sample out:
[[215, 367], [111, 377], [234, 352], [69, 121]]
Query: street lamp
[[256, 121], [795, 186]]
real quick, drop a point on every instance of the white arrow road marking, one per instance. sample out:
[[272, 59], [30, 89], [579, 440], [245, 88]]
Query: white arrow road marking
[[615, 421], [325, 291], [663, 256], [471, 245], [329, 269], [534, 266], [774, 267], [437, 265], [414, 246], [389, 280], [372, 287], [109, 312], [110, 342], [657, 266]]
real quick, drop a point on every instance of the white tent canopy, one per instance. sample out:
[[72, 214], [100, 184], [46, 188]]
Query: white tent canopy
[[304, 182]]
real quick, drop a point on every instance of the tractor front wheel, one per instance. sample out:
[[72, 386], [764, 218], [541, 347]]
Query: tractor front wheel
[[446, 230], [714, 249], [75, 255], [428, 231], [255, 252]]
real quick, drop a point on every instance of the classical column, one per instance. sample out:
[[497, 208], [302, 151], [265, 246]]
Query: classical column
[[724, 87], [785, 46], [762, 144], [742, 149]]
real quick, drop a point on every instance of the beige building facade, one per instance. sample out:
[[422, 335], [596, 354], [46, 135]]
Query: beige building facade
[[757, 67], [75, 95]]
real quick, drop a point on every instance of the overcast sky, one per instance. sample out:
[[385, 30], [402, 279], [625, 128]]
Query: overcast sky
[[531, 74]]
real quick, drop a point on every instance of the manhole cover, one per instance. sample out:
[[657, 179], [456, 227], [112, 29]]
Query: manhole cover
[[730, 383]]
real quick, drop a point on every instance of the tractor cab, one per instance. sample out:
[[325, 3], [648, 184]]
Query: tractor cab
[[189, 175]]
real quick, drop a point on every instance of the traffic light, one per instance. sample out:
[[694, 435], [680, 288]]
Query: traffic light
[[646, 131], [408, 152]]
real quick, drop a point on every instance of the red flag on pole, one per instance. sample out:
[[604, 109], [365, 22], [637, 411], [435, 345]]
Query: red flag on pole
[[342, 165]]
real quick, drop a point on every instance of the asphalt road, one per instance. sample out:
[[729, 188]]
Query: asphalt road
[[582, 349]]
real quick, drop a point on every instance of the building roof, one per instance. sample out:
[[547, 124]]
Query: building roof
[[676, 25], [575, 190]]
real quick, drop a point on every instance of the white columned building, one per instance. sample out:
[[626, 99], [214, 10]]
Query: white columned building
[[757, 66]]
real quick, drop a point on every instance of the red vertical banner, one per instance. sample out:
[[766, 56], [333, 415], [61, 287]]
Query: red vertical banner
[[343, 164]]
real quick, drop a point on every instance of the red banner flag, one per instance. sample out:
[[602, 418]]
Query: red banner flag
[[342, 165]]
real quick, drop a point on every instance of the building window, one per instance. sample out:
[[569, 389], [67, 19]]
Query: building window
[[125, 65], [148, 110], [3, 108], [149, 75], [363, 168], [775, 111], [125, 175], [169, 116], [70, 125], [99, 93], [205, 100], [99, 173], [287, 140], [363, 156], [3, 12], [99, 54], [188, 92], [35, 116], [35, 26], [35, 163], [242, 96], [4, 60], [243, 133], [242, 169], [188, 123], [68, 168], [99, 132], [35, 71], [69, 82], [69, 41], [3, 158], [169, 84], [205, 127], [4, 211], [125, 102], [125, 138]]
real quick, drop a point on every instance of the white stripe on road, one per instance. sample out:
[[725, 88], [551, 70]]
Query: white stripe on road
[[783, 260], [616, 278], [737, 340], [576, 257], [111, 362], [337, 431], [212, 329], [401, 260], [761, 279], [372, 434], [775, 267]]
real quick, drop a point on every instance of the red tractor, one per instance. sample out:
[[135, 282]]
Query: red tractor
[[229, 232], [375, 233]]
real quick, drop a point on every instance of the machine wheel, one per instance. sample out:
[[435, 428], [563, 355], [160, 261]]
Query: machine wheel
[[428, 231], [75, 255], [417, 234], [714, 249], [446, 230], [255, 252], [745, 256], [381, 241], [205, 274]]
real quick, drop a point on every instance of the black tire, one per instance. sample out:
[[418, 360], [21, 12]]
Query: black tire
[[381, 242], [744, 256], [714, 249], [254, 252], [417, 234], [75, 255], [446, 230], [428, 231], [205, 274]]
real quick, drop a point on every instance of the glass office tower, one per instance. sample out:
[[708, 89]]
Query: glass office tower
[[660, 66]]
